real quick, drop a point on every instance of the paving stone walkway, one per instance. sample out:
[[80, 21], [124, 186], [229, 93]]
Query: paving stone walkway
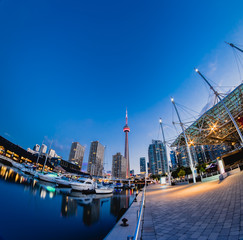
[[201, 211]]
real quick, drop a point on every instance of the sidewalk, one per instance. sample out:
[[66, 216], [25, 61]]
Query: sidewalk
[[210, 210]]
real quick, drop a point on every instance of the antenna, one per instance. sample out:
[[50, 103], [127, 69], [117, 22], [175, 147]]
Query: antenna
[[126, 117]]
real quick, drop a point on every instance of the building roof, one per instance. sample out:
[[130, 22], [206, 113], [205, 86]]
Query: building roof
[[215, 126]]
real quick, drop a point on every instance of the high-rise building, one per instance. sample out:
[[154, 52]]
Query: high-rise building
[[142, 165], [126, 130], [36, 148], [76, 154], [43, 149], [148, 167], [119, 166], [200, 153], [173, 160], [31, 151], [51, 153], [96, 158], [157, 159]]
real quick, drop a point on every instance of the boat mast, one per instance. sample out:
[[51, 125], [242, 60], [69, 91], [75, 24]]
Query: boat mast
[[227, 110], [187, 146], [46, 158], [37, 161], [165, 154]]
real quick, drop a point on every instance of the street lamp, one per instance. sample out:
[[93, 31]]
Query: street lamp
[[165, 154], [187, 146]]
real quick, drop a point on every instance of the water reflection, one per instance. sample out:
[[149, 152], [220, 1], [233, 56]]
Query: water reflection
[[91, 212], [71, 214], [69, 207]]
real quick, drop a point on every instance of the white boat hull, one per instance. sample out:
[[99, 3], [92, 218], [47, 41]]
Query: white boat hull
[[17, 165], [103, 190], [61, 182], [81, 187], [29, 171], [47, 178]]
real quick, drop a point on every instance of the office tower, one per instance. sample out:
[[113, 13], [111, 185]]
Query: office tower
[[31, 151], [119, 166], [126, 130], [51, 153], [43, 149], [36, 148], [76, 154], [182, 156], [142, 165], [157, 159], [96, 158], [148, 167], [173, 160]]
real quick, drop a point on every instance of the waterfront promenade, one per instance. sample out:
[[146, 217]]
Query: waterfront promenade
[[211, 210]]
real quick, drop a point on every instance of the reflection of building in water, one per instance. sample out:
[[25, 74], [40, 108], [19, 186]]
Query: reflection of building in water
[[91, 212], [69, 207], [118, 202]]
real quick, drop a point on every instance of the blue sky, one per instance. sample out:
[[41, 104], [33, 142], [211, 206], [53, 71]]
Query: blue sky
[[69, 69]]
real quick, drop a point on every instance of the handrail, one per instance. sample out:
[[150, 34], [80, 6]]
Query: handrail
[[135, 237]]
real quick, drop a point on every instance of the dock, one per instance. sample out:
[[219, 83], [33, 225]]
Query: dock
[[120, 232]]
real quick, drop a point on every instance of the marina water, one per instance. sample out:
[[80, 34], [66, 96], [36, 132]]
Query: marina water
[[31, 209]]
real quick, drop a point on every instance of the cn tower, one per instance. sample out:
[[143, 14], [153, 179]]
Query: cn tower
[[126, 130]]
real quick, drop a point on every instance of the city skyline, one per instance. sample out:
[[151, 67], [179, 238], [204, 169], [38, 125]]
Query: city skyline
[[64, 75]]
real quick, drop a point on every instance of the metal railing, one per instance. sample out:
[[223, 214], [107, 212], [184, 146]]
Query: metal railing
[[136, 234]]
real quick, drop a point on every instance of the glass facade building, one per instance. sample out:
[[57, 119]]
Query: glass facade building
[[76, 154], [96, 158], [157, 157], [142, 165]]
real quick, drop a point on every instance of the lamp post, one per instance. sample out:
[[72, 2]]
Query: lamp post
[[165, 154], [227, 110], [187, 146]]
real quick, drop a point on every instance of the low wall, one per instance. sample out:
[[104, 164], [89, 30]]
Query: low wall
[[212, 178]]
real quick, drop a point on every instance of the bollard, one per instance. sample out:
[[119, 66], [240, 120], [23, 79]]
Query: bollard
[[124, 222]]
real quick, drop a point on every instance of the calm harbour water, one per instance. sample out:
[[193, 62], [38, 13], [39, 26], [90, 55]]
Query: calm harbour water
[[31, 209]]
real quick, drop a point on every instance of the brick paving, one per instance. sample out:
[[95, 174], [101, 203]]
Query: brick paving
[[212, 210]]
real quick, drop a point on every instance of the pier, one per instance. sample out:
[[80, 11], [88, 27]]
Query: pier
[[210, 210]]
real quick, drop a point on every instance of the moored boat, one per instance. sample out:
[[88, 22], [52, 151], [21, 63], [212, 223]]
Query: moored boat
[[103, 190], [48, 177], [119, 185], [83, 184], [63, 182], [29, 169]]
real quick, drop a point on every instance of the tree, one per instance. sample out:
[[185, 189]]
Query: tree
[[181, 173], [156, 177], [201, 168]]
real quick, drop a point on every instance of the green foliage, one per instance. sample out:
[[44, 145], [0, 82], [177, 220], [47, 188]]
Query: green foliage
[[201, 167], [181, 173], [187, 171], [156, 177]]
